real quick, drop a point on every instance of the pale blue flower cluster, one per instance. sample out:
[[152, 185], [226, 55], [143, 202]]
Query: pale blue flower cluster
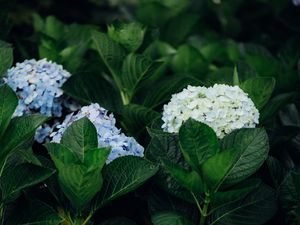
[[108, 134], [38, 87], [296, 2]]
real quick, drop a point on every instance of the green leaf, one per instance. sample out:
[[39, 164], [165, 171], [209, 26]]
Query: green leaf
[[276, 170], [189, 60], [236, 80], [20, 131], [163, 90], [110, 52], [183, 24], [289, 196], [6, 57], [34, 212], [118, 221], [191, 180], [89, 87], [167, 218], [80, 136], [261, 60], [134, 69], [21, 176], [218, 167], [255, 209], [165, 146], [253, 147], [198, 142], [135, 118], [124, 175], [79, 183], [53, 28], [222, 198], [259, 89], [8, 104], [61, 155], [275, 104], [96, 158], [129, 35]]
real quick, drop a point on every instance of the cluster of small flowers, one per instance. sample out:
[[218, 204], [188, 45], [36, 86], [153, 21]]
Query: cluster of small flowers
[[108, 134], [296, 2], [38, 87], [224, 108]]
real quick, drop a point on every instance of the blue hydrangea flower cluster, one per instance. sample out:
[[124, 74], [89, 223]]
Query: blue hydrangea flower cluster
[[296, 2], [38, 87], [108, 134]]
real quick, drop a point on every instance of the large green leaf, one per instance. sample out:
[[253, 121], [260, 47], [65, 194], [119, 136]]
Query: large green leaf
[[191, 180], [118, 221], [183, 24], [255, 209], [80, 136], [218, 167], [129, 35], [135, 118], [110, 52], [259, 89], [290, 197], [34, 212], [222, 198], [167, 218], [8, 104], [6, 57], [275, 104], [135, 68], [189, 60], [163, 90], [198, 142], [96, 158], [61, 155], [261, 60], [89, 87], [20, 131], [124, 175], [253, 147], [16, 178], [80, 184], [165, 146]]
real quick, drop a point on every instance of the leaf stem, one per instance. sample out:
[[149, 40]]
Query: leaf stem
[[205, 208], [87, 219], [2, 214], [125, 98], [197, 202]]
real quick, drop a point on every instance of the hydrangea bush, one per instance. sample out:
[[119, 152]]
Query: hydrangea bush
[[107, 132], [222, 107], [180, 112]]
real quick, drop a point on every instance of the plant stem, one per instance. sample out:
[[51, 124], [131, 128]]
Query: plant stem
[[2, 214], [87, 219], [197, 202], [125, 98], [205, 208]]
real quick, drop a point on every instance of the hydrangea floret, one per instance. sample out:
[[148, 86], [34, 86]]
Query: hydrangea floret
[[222, 107], [38, 87], [108, 134]]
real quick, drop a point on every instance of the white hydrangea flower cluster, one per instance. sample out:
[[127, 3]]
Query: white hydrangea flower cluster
[[222, 107], [38, 87], [108, 134]]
